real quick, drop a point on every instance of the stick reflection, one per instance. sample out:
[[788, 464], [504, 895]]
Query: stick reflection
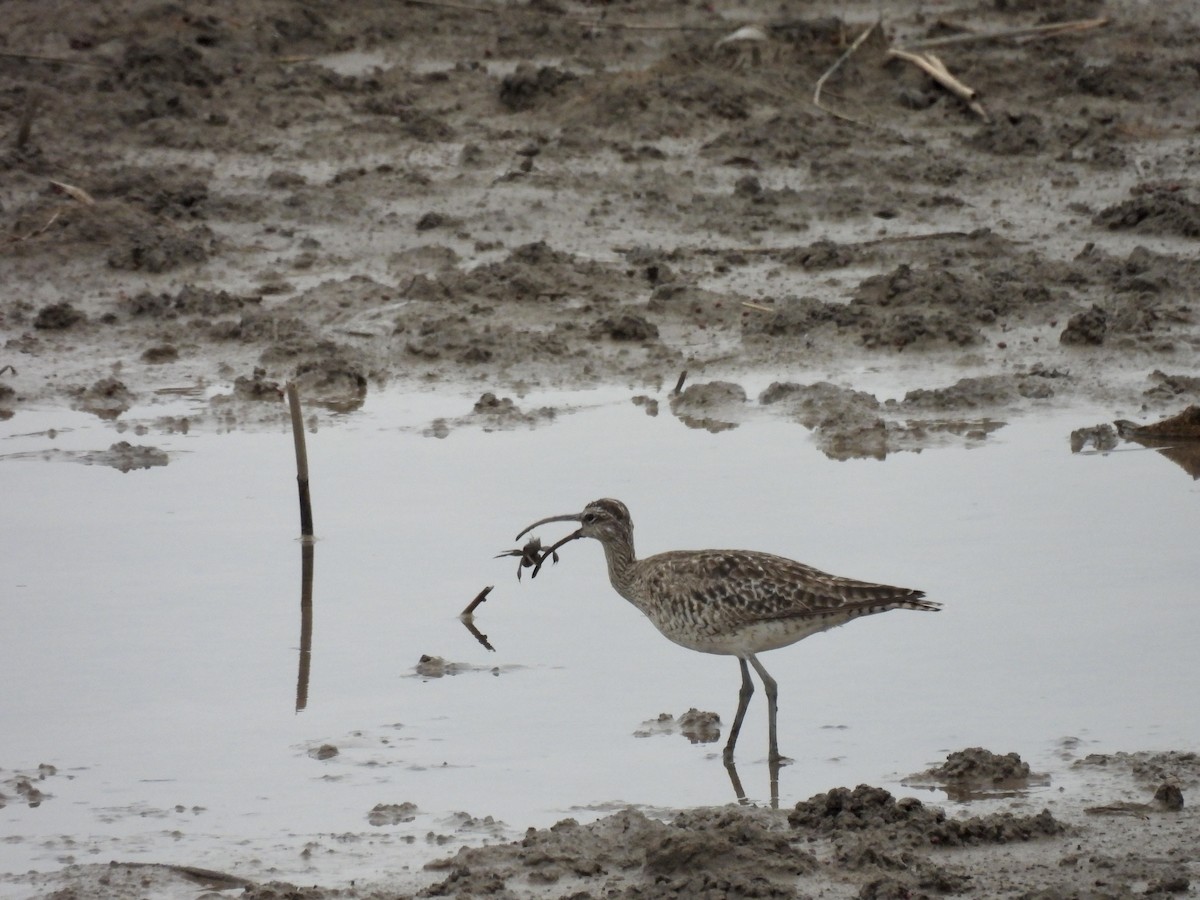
[[306, 623]]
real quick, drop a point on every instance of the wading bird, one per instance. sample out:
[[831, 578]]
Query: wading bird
[[730, 602]]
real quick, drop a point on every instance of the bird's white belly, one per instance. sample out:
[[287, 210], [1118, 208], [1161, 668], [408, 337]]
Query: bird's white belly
[[758, 637]]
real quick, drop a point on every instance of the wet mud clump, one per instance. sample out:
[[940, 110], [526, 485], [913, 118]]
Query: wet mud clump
[[908, 820], [1154, 211], [28, 788], [383, 814], [976, 772], [713, 406], [107, 398], [726, 851]]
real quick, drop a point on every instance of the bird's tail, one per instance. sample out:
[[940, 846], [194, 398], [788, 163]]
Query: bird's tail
[[917, 601]]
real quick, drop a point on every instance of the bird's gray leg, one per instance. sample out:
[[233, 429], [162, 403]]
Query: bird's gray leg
[[772, 707], [744, 696]]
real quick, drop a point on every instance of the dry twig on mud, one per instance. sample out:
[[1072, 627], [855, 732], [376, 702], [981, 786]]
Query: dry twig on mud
[[936, 69], [17, 238], [75, 193], [1032, 33], [820, 85]]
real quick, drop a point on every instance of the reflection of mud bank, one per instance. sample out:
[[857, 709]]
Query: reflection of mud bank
[[849, 424], [1176, 438]]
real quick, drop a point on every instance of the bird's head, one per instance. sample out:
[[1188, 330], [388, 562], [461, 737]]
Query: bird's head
[[605, 520]]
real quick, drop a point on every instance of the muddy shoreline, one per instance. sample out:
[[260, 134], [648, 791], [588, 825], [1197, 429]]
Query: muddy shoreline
[[1121, 830], [349, 198], [513, 199]]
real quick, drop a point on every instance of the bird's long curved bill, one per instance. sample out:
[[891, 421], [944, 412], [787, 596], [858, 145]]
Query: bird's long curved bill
[[572, 517], [549, 553]]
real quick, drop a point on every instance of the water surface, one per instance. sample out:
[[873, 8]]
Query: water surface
[[152, 627]]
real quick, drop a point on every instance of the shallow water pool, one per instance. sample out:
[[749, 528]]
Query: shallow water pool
[[152, 627]]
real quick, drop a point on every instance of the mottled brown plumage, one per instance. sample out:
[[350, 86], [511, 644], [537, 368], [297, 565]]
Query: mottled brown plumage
[[732, 602]]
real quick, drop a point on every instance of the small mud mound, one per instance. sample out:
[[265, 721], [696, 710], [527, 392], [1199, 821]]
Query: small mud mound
[[1153, 211], [798, 317], [1143, 299], [976, 772], [907, 306], [392, 813], [57, 316], [847, 423], [728, 851], [813, 405], [438, 667], [910, 822], [492, 413], [122, 456], [126, 457], [25, 787], [1173, 387], [189, 300], [1087, 327], [334, 380], [107, 398], [1102, 438], [714, 406], [528, 87], [885, 839], [625, 326], [129, 237], [988, 391]]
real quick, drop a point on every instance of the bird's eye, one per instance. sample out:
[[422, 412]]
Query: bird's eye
[[589, 518]]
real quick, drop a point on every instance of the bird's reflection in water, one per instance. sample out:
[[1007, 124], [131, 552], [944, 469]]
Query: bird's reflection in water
[[773, 767], [698, 726]]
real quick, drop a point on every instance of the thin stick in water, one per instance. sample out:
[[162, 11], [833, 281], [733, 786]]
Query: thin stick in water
[[479, 598], [306, 519]]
